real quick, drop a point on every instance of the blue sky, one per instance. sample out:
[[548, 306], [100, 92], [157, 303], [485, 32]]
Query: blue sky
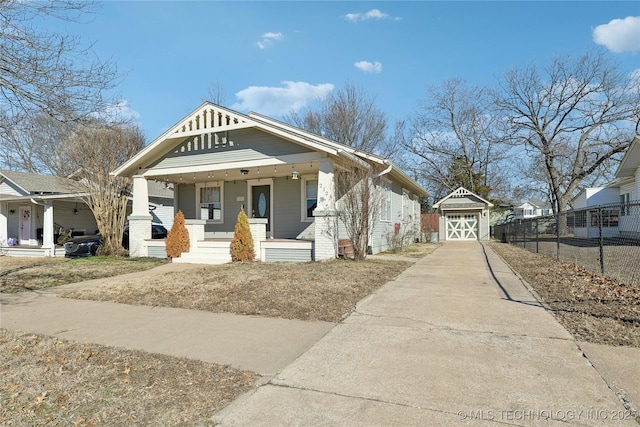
[[274, 56]]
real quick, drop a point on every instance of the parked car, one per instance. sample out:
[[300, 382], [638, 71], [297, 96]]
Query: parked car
[[88, 245], [82, 246], [158, 231]]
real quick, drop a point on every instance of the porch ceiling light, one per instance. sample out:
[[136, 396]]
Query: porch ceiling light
[[294, 174], [244, 171]]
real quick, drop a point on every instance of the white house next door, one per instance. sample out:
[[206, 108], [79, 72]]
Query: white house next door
[[462, 227]]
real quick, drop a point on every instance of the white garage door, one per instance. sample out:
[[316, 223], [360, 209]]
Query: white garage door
[[462, 227]]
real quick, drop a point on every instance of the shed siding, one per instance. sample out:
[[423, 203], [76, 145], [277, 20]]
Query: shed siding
[[244, 145]]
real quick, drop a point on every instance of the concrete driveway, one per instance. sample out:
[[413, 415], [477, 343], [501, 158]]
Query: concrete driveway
[[455, 340]]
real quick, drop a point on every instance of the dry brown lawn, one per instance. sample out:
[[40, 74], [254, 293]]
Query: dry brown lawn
[[54, 382], [592, 307], [19, 274], [324, 291]]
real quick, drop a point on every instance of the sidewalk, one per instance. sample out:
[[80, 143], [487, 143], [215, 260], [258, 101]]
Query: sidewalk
[[450, 342], [259, 344]]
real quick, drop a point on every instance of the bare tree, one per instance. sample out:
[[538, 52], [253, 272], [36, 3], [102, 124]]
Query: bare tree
[[456, 140], [98, 148], [575, 117], [358, 196], [349, 117], [47, 72], [216, 94], [36, 144]]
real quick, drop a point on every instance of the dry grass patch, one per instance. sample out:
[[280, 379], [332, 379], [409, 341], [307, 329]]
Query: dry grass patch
[[592, 307], [307, 291], [19, 274], [54, 382]]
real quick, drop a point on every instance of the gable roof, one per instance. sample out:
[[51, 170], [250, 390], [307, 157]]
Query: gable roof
[[631, 160], [461, 192], [33, 184], [212, 118]]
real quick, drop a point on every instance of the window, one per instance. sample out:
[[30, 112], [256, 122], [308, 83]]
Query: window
[[211, 203], [310, 198], [581, 219], [624, 202], [610, 218], [405, 205], [385, 201]]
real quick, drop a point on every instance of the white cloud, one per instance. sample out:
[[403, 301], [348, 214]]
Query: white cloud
[[619, 35], [278, 101], [119, 111], [372, 14], [369, 67], [268, 39]]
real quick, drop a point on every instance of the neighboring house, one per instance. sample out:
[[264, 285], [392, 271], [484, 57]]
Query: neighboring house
[[464, 216], [34, 207], [532, 208], [619, 211], [220, 161]]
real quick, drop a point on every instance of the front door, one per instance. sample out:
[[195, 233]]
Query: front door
[[25, 225], [261, 203]]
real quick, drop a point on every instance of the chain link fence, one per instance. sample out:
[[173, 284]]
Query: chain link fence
[[603, 239]]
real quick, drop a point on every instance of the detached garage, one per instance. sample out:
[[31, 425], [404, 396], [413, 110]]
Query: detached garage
[[464, 216]]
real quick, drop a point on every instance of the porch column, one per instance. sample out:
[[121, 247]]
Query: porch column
[[47, 229], [140, 219], [326, 215], [4, 223]]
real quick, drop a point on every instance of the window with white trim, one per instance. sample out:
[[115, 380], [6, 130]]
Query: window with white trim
[[405, 205], [385, 200], [309, 197], [624, 202], [210, 203]]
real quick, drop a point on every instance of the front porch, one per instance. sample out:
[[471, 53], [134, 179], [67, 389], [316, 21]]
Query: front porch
[[204, 250], [31, 251]]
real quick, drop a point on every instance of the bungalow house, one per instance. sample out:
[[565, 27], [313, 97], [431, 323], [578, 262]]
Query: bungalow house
[[33, 206], [33, 209], [220, 161], [532, 208], [612, 210], [464, 216]]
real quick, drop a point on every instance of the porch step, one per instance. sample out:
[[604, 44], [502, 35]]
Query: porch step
[[207, 252]]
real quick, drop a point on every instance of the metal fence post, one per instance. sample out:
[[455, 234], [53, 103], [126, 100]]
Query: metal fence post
[[537, 236], [558, 235], [601, 240]]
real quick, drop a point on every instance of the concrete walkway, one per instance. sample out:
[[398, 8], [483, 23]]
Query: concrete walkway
[[457, 339], [452, 341]]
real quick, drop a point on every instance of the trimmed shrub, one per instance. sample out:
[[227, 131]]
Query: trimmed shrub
[[178, 238], [242, 244]]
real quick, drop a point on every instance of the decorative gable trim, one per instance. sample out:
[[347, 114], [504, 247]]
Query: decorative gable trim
[[461, 192]]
